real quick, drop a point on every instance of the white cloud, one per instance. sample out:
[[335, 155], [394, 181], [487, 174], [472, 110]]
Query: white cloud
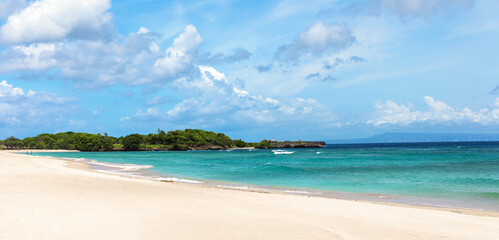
[[211, 100], [89, 63], [52, 20], [18, 107], [318, 39], [6, 90], [9, 6], [178, 58], [391, 113], [132, 60], [34, 57], [188, 41]]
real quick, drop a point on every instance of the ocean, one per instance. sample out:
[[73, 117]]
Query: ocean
[[460, 174]]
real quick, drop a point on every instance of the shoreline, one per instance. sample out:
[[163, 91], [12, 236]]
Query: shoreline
[[61, 199], [347, 196], [142, 172], [460, 206]]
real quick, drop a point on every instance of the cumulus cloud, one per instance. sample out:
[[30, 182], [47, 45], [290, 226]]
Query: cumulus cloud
[[53, 20], [88, 63], [211, 99], [6, 90], [391, 113], [31, 108], [9, 6], [178, 58], [418, 8], [34, 57], [320, 38], [134, 60]]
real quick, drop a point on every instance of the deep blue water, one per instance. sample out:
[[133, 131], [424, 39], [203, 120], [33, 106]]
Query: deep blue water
[[452, 171]]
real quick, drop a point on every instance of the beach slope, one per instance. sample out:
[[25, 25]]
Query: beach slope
[[48, 198]]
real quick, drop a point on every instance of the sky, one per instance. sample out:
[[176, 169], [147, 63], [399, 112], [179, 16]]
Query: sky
[[288, 69]]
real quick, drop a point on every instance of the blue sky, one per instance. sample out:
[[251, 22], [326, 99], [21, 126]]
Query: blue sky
[[251, 69]]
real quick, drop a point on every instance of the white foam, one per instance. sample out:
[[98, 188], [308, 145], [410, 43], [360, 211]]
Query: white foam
[[131, 170], [318, 153], [189, 181], [77, 159], [122, 167], [298, 192], [280, 151], [128, 167], [246, 188], [283, 152]]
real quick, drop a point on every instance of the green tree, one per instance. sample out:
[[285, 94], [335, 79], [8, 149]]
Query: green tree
[[132, 142], [239, 143], [12, 142], [264, 144]]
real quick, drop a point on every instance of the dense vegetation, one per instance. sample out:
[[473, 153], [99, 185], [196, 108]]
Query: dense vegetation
[[173, 140], [66, 140], [178, 140]]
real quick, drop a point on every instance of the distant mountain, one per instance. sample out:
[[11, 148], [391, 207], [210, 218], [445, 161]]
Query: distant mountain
[[420, 137]]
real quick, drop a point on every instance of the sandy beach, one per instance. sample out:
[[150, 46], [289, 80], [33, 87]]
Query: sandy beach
[[49, 198]]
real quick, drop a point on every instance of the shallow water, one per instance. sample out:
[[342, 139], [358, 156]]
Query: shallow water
[[459, 174]]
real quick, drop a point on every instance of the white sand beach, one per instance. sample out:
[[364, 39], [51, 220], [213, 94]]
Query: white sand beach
[[49, 198]]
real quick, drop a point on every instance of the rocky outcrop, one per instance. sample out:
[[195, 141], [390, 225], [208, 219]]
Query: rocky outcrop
[[297, 144], [179, 148], [208, 147]]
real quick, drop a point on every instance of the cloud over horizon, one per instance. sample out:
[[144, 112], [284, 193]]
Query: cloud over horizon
[[212, 100], [391, 113], [30, 108]]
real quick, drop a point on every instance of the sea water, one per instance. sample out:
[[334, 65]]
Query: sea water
[[445, 174]]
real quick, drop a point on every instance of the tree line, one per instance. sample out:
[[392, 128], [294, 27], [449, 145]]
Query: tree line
[[172, 140]]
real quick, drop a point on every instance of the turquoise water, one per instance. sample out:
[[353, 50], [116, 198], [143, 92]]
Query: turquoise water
[[461, 172]]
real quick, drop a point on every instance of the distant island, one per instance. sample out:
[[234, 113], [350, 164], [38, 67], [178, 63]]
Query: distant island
[[178, 140]]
